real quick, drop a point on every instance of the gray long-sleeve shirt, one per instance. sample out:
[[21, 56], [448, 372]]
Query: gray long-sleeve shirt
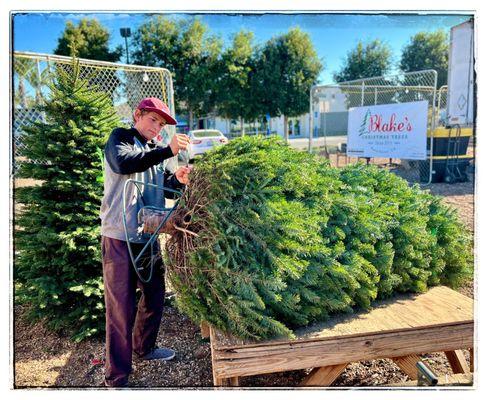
[[129, 156]]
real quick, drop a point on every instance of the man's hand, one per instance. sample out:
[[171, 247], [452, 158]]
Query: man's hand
[[178, 142], [182, 174]]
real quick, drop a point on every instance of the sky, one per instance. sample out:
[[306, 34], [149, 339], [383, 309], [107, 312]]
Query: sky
[[333, 35]]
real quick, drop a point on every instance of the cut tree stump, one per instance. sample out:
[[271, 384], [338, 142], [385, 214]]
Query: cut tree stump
[[440, 320], [205, 330]]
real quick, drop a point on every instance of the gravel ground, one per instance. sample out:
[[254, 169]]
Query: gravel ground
[[45, 359]]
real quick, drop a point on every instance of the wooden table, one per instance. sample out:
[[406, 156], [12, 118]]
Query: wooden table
[[401, 328]]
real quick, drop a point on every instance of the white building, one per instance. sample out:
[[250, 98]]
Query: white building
[[298, 127]]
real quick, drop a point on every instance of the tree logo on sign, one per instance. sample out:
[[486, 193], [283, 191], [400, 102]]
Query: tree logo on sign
[[363, 127]]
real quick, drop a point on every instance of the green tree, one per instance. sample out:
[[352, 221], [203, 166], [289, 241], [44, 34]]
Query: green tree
[[188, 51], [286, 69], [201, 79], [365, 61], [427, 50], [90, 40], [57, 259], [235, 100]]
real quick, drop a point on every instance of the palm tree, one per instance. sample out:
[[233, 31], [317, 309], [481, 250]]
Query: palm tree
[[26, 69]]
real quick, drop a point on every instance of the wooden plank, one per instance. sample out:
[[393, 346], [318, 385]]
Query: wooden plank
[[324, 376], [408, 364], [367, 338], [472, 358], [225, 382], [217, 381], [205, 330], [439, 306], [457, 361], [333, 351], [222, 382]]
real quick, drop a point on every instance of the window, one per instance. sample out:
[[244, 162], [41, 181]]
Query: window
[[297, 127]]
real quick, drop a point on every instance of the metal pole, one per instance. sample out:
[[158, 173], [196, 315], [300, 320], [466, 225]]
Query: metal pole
[[127, 50], [170, 102], [363, 90], [310, 138], [432, 126], [39, 89], [362, 104]]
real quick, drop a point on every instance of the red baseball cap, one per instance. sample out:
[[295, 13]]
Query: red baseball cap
[[156, 105]]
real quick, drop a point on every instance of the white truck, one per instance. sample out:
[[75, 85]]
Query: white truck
[[460, 97]]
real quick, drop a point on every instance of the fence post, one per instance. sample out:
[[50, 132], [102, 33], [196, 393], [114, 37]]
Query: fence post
[[432, 126], [363, 91], [39, 88], [310, 139]]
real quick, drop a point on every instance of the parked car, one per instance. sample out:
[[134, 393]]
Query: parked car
[[202, 140]]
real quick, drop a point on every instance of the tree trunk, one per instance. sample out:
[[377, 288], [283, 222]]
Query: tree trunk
[[190, 122], [22, 96], [39, 98], [242, 129], [286, 132]]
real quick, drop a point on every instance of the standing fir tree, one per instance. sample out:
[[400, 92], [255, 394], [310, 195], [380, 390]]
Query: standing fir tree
[[57, 252]]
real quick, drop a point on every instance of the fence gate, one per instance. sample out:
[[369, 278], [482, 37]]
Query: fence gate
[[329, 106], [126, 84]]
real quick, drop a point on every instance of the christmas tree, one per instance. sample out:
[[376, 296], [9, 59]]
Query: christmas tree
[[57, 264], [267, 238]]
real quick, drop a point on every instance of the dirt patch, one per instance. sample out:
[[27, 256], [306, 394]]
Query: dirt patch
[[46, 359]]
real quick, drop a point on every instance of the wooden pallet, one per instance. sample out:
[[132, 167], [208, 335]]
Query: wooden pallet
[[440, 320]]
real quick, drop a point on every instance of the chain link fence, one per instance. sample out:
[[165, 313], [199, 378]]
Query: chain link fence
[[330, 104], [127, 85], [442, 102]]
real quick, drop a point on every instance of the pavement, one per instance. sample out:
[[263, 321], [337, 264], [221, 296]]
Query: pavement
[[318, 142]]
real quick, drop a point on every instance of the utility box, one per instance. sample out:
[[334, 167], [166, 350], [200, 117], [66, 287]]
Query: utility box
[[460, 104]]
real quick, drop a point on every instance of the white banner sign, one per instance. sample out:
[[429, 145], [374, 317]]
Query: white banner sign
[[388, 131]]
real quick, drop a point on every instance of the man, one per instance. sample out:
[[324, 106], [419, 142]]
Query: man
[[130, 155]]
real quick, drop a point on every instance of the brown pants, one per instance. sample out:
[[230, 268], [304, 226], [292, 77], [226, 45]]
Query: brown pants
[[128, 327]]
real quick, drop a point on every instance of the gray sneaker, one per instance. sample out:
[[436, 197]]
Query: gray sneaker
[[159, 353]]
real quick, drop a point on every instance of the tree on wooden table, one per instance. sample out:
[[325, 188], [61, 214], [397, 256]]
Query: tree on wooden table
[[57, 260], [267, 238]]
